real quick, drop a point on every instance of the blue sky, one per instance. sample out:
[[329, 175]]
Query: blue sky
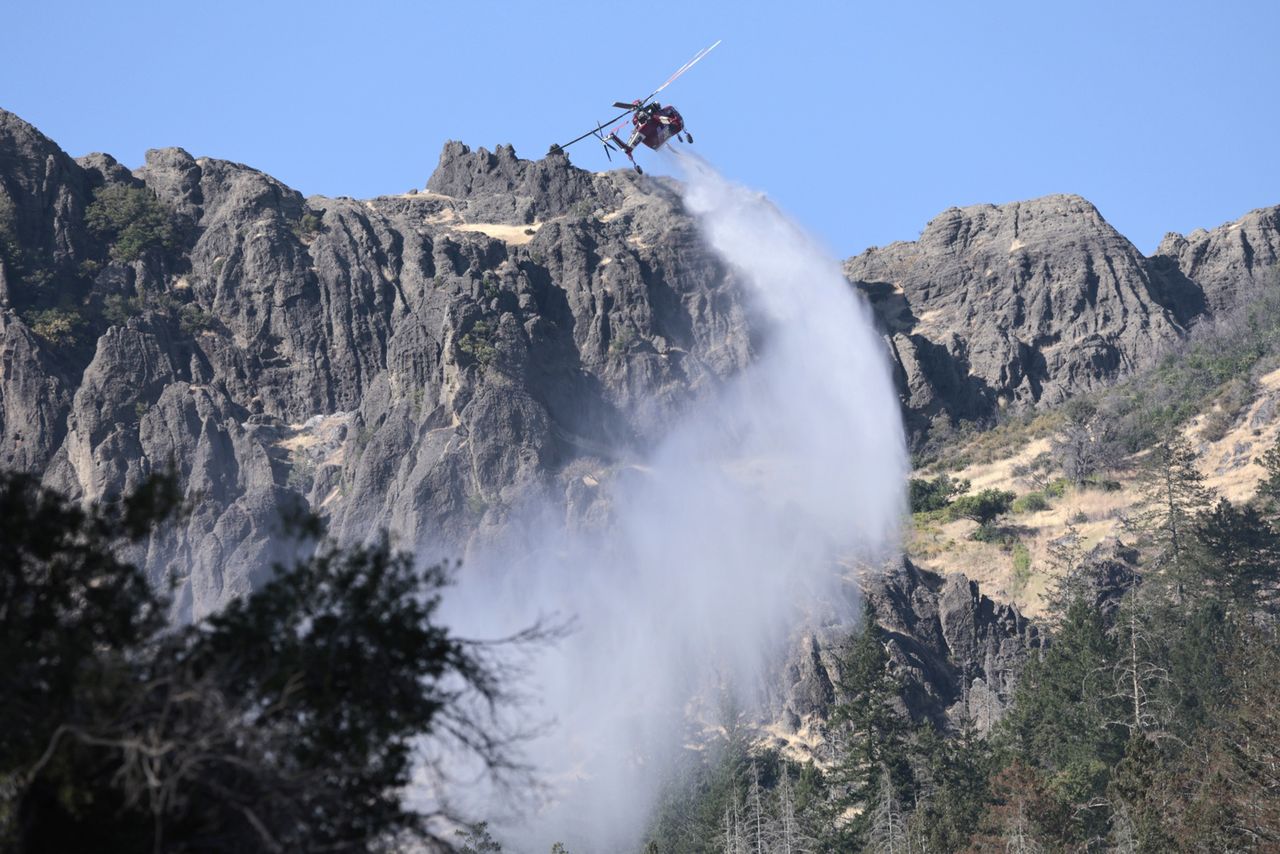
[[862, 120]]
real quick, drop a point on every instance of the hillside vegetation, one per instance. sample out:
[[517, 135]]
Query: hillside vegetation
[[1081, 464]]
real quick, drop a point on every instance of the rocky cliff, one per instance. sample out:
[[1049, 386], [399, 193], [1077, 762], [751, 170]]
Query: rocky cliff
[[1024, 304], [1014, 305], [424, 362], [1228, 261]]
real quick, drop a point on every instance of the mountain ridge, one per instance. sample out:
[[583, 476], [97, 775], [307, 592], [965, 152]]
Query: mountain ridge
[[431, 361]]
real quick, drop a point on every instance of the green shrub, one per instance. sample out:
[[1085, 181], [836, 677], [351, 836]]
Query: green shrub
[[363, 435], [1057, 488], [10, 250], [61, 326], [1035, 470], [478, 343], [117, 309], [927, 496], [308, 226], [1021, 566], [302, 474], [990, 532], [620, 341], [193, 319], [1032, 502], [131, 220], [982, 507]]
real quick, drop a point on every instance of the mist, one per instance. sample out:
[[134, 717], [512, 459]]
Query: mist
[[720, 544]]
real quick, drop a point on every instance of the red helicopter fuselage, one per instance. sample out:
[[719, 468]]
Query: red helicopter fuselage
[[661, 125]]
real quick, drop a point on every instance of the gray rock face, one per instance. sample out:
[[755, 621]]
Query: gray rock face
[[500, 187], [1024, 304], [1014, 305], [1228, 261], [955, 652], [43, 194], [33, 398], [427, 363]]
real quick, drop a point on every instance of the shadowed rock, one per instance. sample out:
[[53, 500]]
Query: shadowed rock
[[1228, 262]]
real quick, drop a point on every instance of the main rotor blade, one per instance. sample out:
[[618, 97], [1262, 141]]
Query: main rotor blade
[[682, 70], [623, 105]]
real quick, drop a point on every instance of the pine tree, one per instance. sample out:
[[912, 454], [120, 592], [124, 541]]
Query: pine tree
[[477, 840], [869, 729], [951, 785], [289, 720], [732, 833], [1019, 806], [1199, 637], [1067, 567], [1269, 488], [1242, 554], [1066, 718], [1173, 491], [1139, 674], [1138, 812]]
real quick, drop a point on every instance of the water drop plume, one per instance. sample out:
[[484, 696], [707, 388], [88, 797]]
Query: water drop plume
[[721, 543]]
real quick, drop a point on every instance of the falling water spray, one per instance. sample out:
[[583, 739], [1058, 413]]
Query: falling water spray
[[723, 541]]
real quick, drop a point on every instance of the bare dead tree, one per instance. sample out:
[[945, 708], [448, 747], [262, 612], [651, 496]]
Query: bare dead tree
[[888, 832]]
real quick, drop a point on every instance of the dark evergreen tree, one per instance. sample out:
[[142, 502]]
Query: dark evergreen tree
[[871, 735], [1269, 488], [705, 785], [1241, 555], [951, 786], [1067, 721], [68, 604], [1139, 820], [1174, 491], [287, 722]]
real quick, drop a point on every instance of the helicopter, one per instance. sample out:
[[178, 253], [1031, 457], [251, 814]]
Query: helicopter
[[652, 123]]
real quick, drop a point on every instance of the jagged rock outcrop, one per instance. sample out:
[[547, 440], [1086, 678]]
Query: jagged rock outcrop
[[1017, 305], [43, 194], [1230, 261], [958, 652], [955, 652], [425, 362], [499, 187]]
